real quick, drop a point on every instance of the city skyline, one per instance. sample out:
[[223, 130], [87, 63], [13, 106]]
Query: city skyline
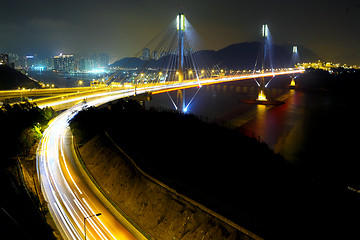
[[123, 28]]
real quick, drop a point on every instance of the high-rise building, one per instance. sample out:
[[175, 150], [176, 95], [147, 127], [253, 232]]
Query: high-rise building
[[155, 55], [15, 60], [64, 63], [146, 54], [30, 61], [4, 59], [82, 65], [103, 60]]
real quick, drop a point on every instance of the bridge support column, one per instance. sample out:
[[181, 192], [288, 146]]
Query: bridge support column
[[261, 91], [180, 95], [181, 30], [264, 35], [292, 83]]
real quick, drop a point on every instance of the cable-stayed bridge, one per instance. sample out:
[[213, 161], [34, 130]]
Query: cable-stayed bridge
[[77, 206], [63, 98], [173, 60]]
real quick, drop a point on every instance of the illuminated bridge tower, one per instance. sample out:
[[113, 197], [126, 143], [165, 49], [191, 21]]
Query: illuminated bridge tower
[[181, 30], [295, 57], [294, 61], [264, 36]]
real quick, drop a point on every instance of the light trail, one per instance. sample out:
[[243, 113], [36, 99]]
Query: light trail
[[68, 193], [209, 81], [68, 190]]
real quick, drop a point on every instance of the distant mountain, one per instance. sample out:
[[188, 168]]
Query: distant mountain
[[244, 55], [236, 56], [12, 79]]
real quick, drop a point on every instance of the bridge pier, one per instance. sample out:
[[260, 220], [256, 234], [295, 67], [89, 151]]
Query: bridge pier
[[292, 83], [180, 95], [261, 91]]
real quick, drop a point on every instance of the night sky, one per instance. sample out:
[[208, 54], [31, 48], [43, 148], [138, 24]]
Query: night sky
[[121, 28]]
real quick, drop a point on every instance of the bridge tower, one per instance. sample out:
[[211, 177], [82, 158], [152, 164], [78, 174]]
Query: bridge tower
[[181, 30], [264, 36], [294, 60]]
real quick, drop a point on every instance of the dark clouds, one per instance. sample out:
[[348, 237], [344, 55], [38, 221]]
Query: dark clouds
[[330, 28]]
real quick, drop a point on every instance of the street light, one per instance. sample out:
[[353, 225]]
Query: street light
[[95, 215]]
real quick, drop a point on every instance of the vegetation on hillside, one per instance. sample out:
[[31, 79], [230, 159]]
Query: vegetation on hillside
[[234, 175], [238, 176], [22, 216], [22, 125]]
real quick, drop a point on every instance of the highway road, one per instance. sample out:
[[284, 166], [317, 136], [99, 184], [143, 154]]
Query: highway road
[[68, 190], [70, 193]]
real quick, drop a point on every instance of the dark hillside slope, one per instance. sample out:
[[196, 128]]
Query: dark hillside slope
[[157, 210], [235, 56], [12, 79], [236, 176]]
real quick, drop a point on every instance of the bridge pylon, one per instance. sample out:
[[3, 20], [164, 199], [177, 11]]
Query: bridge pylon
[[264, 36], [294, 61], [181, 30]]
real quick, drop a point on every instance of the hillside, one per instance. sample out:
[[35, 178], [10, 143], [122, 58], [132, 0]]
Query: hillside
[[233, 175], [161, 213], [22, 216], [12, 79], [235, 56], [244, 55]]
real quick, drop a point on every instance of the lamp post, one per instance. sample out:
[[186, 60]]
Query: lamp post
[[98, 214]]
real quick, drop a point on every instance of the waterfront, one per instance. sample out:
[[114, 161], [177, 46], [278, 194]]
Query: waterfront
[[62, 80], [314, 130]]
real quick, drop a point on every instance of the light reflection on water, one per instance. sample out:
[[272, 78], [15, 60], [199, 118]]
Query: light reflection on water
[[223, 102], [220, 101], [305, 129], [310, 129]]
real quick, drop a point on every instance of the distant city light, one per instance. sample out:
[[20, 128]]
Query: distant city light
[[97, 70], [39, 68]]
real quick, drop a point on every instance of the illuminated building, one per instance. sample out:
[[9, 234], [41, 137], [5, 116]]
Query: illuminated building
[[155, 55], [94, 63], [327, 66], [30, 61], [4, 59], [146, 54], [64, 63]]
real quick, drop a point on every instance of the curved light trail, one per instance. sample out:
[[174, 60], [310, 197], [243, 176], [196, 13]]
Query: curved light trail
[[68, 190], [70, 194]]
